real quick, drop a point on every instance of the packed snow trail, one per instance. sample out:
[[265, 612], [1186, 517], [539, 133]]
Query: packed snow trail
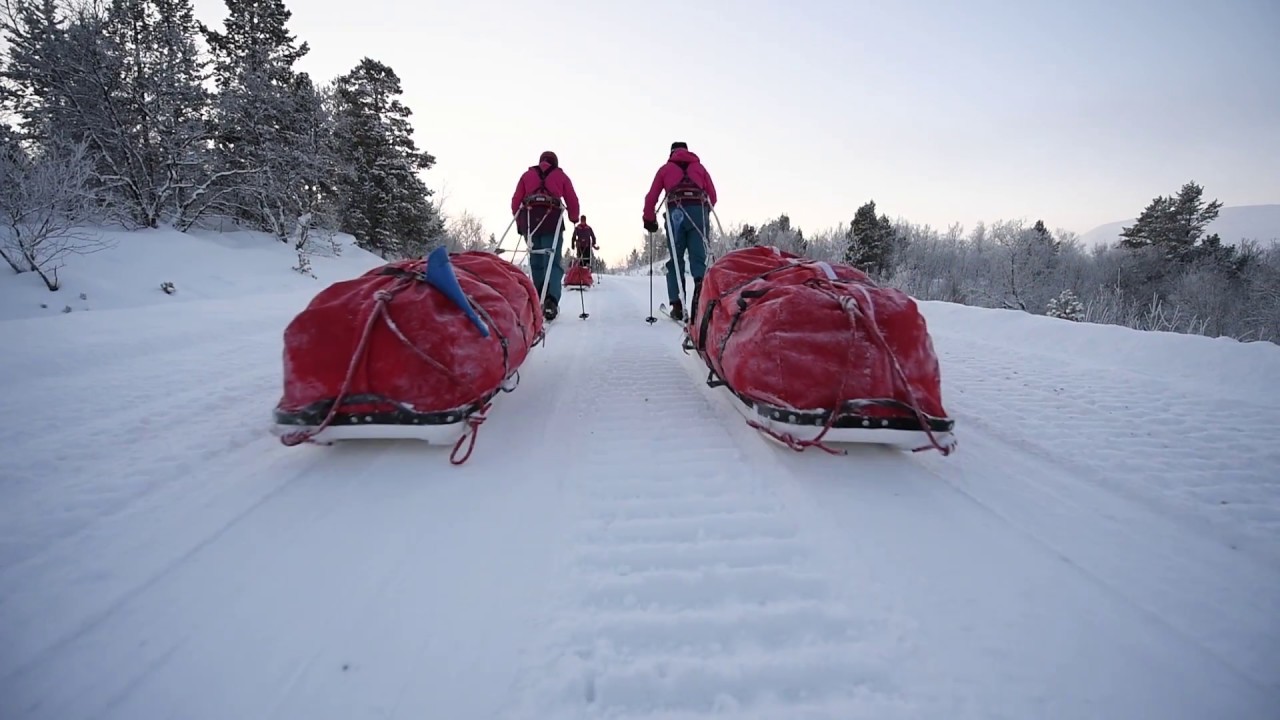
[[695, 590], [246, 579], [945, 607], [619, 545]]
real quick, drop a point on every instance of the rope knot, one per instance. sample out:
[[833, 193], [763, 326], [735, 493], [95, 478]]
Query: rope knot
[[474, 422]]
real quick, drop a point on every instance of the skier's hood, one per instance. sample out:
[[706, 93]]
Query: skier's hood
[[683, 155]]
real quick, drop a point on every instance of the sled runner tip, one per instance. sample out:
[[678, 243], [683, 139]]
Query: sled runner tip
[[793, 431]]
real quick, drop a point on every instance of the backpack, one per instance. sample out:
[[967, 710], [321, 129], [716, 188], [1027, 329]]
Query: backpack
[[541, 197], [686, 190]]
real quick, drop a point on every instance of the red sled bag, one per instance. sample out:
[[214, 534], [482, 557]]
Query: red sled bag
[[818, 353], [413, 349], [578, 276]]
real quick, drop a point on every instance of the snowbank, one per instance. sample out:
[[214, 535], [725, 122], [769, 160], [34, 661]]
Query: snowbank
[[202, 265], [1228, 367]]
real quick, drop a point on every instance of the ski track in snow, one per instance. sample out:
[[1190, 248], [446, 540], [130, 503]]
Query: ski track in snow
[[621, 544], [696, 591], [189, 424], [877, 585], [1146, 465], [1205, 458], [227, 576]]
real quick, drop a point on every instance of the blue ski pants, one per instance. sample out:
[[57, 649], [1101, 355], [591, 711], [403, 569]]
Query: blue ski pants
[[538, 263], [689, 231]]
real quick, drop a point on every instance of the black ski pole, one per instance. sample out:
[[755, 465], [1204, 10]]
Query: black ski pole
[[675, 266], [582, 297], [651, 319]]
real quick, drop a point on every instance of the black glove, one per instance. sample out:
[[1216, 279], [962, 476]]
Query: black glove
[[651, 225]]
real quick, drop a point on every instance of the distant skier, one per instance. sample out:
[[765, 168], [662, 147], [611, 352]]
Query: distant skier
[[584, 241], [536, 205], [690, 197]]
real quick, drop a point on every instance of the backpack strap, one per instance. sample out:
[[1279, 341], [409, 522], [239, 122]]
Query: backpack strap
[[685, 192], [541, 196]]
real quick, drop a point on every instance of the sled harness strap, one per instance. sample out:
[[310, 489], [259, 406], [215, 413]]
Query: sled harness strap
[[685, 192], [540, 202]]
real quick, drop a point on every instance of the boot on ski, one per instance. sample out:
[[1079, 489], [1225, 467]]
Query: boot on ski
[[677, 311], [550, 308]]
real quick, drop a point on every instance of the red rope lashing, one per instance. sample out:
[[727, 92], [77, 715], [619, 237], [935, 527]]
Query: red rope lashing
[[800, 445], [474, 422], [395, 330], [900, 375], [856, 314], [381, 298]]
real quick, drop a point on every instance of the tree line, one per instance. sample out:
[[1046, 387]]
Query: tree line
[[132, 112], [1164, 273]]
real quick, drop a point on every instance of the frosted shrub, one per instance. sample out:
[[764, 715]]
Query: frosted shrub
[[46, 200], [304, 264], [1066, 306]]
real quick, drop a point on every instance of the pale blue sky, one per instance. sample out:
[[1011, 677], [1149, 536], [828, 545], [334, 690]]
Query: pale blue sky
[[1075, 112]]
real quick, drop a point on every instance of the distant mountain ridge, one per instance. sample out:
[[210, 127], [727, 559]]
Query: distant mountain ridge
[[1241, 222]]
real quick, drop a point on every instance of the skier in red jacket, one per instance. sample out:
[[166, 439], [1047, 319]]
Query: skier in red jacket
[[584, 241], [536, 204], [690, 197]]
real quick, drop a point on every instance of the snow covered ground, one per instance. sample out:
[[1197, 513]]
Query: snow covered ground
[[1103, 544], [202, 265]]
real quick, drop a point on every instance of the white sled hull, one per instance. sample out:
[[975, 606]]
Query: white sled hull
[[351, 426], [429, 434], [869, 434]]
